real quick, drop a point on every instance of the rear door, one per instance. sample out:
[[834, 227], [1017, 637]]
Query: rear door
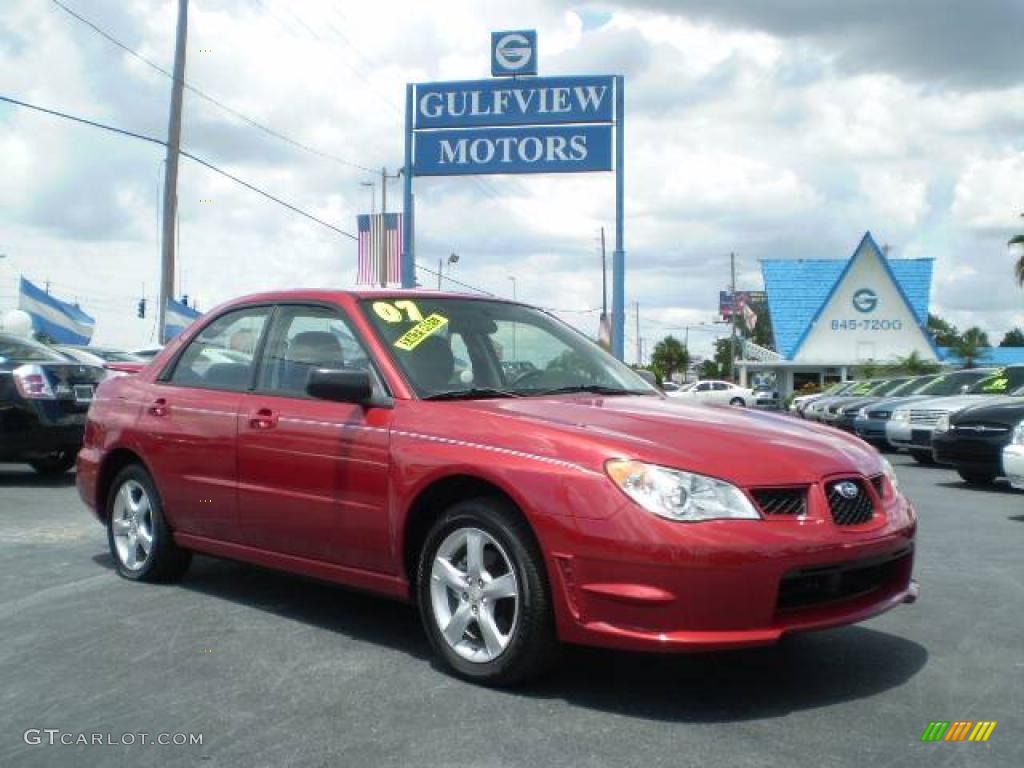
[[188, 424], [313, 474]]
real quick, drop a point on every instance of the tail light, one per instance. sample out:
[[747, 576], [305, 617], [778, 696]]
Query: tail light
[[32, 383]]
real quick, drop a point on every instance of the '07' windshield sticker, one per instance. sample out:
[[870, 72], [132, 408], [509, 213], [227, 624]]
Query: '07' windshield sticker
[[412, 338]]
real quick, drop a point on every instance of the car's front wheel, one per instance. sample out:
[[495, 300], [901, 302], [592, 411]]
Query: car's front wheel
[[483, 594], [140, 541], [57, 463], [738, 401], [976, 476]]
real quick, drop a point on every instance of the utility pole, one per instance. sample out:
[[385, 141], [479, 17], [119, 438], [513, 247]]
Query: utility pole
[[171, 175], [732, 317], [604, 279]]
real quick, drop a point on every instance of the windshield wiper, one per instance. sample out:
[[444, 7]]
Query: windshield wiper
[[473, 393], [595, 389]]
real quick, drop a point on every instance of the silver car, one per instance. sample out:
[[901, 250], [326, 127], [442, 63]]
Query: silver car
[[911, 426]]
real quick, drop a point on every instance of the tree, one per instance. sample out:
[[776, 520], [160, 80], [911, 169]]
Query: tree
[[670, 356], [1017, 241], [1013, 338], [944, 332], [971, 346], [914, 365], [762, 334]]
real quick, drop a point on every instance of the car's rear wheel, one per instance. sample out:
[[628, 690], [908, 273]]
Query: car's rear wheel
[[483, 594], [57, 463], [977, 476], [923, 457], [140, 541], [738, 401]]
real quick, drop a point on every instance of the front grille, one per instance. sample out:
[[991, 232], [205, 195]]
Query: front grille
[[781, 501], [881, 415], [850, 511], [925, 417], [980, 429], [842, 581]]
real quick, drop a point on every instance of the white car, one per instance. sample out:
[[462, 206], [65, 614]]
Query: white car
[[1013, 461], [721, 392]]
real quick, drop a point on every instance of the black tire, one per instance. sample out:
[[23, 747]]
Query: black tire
[[533, 646], [977, 476], [55, 464], [923, 457], [166, 561], [738, 401]]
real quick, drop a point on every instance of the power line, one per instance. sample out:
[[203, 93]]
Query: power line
[[430, 271], [189, 155], [192, 89]]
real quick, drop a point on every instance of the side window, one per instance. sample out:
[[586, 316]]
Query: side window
[[221, 356], [720, 386], [704, 386], [303, 339]]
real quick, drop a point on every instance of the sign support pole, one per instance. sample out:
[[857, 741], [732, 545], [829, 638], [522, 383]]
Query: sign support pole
[[619, 255], [408, 251]]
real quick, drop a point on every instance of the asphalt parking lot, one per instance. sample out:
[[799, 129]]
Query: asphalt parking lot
[[277, 671]]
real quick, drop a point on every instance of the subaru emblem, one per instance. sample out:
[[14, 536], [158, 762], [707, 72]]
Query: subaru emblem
[[847, 489]]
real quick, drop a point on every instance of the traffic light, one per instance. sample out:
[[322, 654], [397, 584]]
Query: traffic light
[[141, 312]]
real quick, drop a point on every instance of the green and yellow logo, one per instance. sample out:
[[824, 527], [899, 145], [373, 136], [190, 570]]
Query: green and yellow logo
[[958, 730]]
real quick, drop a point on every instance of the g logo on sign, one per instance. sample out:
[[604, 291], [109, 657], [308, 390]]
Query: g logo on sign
[[865, 300], [514, 53]]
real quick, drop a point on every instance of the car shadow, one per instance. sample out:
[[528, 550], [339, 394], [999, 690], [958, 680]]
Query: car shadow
[[23, 476], [997, 487], [802, 672]]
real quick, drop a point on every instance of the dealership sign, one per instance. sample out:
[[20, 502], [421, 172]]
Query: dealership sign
[[517, 123]]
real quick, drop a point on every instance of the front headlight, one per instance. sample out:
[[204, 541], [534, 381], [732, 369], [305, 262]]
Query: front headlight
[[903, 416], [862, 413], [942, 425], [677, 495], [1017, 438], [890, 473]]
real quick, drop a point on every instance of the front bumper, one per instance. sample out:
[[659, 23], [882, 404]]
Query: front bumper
[[1013, 465], [871, 430], [974, 453], [34, 430], [912, 437], [637, 582]]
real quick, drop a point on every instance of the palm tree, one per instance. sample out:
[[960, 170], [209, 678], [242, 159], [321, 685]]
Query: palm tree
[[670, 356], [1018, 268], [914, 365], [971, 346]]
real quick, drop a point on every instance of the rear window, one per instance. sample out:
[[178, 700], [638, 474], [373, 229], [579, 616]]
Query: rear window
[[26, 351]]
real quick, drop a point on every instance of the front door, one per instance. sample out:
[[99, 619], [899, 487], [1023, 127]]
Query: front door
[[313, 474], [189, 424]]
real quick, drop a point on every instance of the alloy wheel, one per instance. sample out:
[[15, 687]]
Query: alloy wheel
[[474, 594], [132, 525]]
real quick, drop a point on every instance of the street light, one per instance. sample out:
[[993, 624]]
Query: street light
[[453, 258]]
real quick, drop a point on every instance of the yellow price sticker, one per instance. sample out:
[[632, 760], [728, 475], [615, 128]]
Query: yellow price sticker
[[412, 338], [392, 313]]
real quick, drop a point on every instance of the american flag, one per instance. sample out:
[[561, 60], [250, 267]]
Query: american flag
[[380, 249]]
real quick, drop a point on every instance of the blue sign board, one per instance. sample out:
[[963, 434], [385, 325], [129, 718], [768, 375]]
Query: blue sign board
[[537, 149], [514, 53], [537, 101]]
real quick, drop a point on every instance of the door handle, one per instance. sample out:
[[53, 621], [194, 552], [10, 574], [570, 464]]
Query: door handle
[[264, 418], [159, 407]]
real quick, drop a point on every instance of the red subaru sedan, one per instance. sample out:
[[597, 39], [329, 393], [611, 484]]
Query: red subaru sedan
[[482, 459]]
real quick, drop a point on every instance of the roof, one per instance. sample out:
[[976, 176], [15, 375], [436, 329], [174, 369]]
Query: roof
[[987, 356], [798, 289]]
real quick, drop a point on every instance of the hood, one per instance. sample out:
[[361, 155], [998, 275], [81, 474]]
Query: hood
[[1009, 411], [892, 403], [744, 446]]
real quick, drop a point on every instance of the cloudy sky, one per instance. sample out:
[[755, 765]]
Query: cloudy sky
[[771, 129]]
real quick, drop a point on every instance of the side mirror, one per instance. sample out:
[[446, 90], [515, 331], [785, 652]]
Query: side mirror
[[340, 386]]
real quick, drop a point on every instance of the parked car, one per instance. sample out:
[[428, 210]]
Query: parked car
[[1013, 458], [146, 353], [516, 512], [910, 426], [816, 411], [800, 403], [836, 413], [44, 397], [871, 419], [116, 362], [766, 397], [717, 392], [972, 440]]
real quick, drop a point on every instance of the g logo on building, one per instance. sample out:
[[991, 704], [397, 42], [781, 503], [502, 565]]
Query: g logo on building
[[865, 300], [514, 53]]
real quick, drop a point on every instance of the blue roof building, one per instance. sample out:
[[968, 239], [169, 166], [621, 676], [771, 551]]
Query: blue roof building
[[831, 315]]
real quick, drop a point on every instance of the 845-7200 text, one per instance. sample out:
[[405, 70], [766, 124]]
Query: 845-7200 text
[[867, 325]]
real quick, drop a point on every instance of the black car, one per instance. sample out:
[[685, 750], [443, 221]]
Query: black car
[[974, 438], [44, 397]]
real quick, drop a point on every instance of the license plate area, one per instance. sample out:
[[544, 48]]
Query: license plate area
[[921, 437], [83, 393]]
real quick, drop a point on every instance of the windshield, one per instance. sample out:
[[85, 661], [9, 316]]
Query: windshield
[[1002, 382], [889, 387], [914, 386], [25, 350], [456, 347], [953, 383]]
